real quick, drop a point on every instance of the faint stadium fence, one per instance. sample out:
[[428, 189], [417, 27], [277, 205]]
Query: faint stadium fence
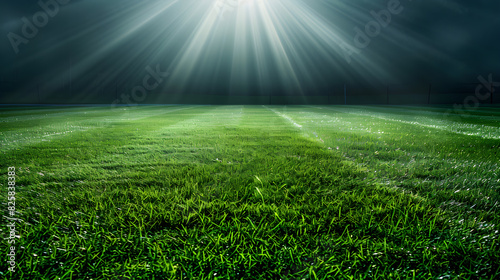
[[102, 91]]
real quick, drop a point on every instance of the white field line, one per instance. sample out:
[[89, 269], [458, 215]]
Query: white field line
[[382, 182], [48, 114], [13, 139], [81, 112], [466, 165], [284, 116], [446, 127], [305, 131], [419, 113], [467, 112]]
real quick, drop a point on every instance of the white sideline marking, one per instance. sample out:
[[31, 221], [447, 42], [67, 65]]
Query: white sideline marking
[[285, 117], [440, 127]]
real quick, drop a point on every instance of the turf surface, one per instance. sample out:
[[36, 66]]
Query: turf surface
[[253, 192]]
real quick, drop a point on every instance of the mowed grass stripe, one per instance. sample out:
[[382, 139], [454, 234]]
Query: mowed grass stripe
[[31, 115], [109, 133], [26, 121], [473, 130], [18, 135], [470, 117], [481, 111], [35, 110], [484, 127], [458, 173]]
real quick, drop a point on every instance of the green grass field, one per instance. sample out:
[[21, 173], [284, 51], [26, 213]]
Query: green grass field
[[252, 192]]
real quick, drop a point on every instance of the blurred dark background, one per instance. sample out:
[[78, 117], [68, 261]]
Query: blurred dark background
[[249, 52]]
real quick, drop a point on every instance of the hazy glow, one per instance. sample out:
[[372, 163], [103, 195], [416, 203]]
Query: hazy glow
[[266, 41], [230, 46]]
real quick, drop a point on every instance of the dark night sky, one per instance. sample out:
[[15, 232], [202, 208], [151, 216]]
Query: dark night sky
[[254, 46]]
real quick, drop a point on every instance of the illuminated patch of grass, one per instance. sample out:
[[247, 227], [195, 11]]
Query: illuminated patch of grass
[[241, 192]]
